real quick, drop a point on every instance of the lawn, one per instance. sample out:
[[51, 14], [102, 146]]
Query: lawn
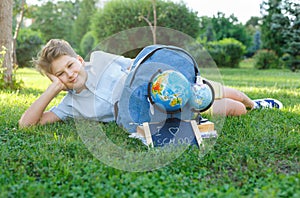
[[255, 155]]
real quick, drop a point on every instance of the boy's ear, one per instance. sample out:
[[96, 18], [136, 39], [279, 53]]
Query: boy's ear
[[80, 59]]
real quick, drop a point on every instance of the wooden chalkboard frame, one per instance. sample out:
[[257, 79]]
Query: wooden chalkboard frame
[[173, 131]]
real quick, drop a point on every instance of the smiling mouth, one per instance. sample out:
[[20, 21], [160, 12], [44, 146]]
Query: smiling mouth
[[74, 80]]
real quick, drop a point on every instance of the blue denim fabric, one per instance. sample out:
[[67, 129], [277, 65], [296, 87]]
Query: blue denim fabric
[[134, 106]]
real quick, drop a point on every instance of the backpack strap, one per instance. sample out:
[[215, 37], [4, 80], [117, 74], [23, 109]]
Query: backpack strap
[[152, 51], [148, 54]]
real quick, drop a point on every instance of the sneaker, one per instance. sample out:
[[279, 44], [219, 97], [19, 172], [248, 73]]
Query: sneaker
[[267, 103]]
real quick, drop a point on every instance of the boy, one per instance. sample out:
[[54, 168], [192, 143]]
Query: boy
[[94, 88]]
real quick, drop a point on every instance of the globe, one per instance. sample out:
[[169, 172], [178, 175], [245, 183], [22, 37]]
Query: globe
[[170, 90], [201, 97]]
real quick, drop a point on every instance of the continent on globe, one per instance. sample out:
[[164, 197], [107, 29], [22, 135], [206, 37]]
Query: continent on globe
[[201, 96], [170, 90]]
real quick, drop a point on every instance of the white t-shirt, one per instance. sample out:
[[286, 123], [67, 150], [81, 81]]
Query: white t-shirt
[[106, 75]]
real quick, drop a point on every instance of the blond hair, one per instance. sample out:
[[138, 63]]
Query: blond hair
[[51, 51]]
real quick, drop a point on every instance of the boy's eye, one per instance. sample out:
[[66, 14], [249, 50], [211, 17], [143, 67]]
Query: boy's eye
[[70, 65], [59, 74]]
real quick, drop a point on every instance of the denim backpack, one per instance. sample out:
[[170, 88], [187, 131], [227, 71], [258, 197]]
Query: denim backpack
[[134, 107]]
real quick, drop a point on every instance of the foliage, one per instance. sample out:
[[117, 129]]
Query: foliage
[[17, 9], [120, 15], [55, 20], [82, 22], [249, 159], [14, 84], [272, 39], [254, 21], [292, 62], [220, 27], [88, 42], [253, 28], [227, 52], [257, 41], [266, 59], [29, 43], [281, 28], [178, 17], [292, 32]]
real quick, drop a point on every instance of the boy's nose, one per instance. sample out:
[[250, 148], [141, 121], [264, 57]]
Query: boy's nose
[[69, 73]]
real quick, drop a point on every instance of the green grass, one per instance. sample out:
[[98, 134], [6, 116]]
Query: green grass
[[256, 155]]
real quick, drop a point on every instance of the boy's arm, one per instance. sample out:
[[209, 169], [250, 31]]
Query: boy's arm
[[36, 114]]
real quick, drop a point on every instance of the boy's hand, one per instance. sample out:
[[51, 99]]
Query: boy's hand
[[57, 82]]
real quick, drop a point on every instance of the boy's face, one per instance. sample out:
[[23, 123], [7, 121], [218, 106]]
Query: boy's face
[[70, 71]]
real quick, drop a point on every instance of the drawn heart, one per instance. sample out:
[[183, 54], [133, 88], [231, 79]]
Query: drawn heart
[[173, 130]]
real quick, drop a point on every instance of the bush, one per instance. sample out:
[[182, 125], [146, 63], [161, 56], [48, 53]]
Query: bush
[[227, 52], [120, 15], [290, 62], [87, 43], [266, 59], [29, 43]]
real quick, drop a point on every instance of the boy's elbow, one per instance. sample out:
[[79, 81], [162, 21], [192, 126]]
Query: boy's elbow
[[46, 118], [23, 122]]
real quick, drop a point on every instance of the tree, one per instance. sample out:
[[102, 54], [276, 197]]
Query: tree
[[120, 15], [272, 39], [29, 43], [6, 7], [292, 32], [82, 22], [152, 25], [55, 20], [257, 41], [207, 32], [254, 21], [220, 27], [281, 28], [230, 28], [253, 28], [17, 29]]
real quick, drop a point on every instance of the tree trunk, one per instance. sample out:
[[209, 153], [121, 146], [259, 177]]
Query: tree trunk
[[152, 26], [15, 37], [6, 13], [154, 21]]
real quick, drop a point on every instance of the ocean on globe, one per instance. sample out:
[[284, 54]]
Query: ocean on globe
[[201, 96], [170, 90]]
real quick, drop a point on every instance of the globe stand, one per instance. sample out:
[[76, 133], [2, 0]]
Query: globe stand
[[173, 130], [199, 118], [206, 127]]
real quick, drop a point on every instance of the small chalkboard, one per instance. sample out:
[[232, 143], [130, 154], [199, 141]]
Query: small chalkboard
[[172, 132]]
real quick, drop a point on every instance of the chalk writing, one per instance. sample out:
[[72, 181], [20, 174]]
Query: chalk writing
[[172, 132]]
